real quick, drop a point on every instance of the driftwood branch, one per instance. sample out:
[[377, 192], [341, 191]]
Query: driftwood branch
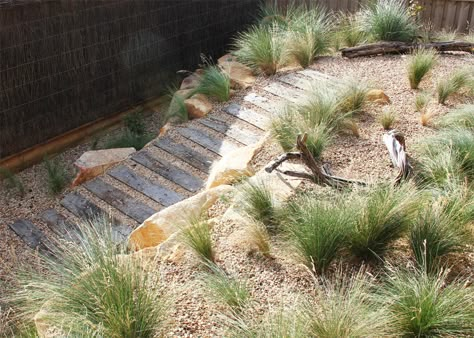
[[320, 174], [404, 47], [395, 143]]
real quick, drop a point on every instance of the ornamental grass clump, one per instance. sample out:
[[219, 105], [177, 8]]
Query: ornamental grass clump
[[345, 307], [317, 230], [308, 35], [264, 48], [349, 32], [258, 203], [134, 135], [91, 288], [11, 181], [446, 156], [57, 175], [460, 117], [388, 20], [381, 215], [197, 236], [419, 65], [387, 118], [421, 304], [442, 228], [421, 101], [226, 289], [214, 83], [453, 85]]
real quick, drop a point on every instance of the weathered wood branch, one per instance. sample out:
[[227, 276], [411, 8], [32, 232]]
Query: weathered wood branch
[[395, 47], [320, 174], [395, 143]]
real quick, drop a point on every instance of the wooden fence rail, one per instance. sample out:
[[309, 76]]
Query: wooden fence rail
[[440, 14]]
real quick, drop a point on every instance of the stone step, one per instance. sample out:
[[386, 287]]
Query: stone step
[[219, 147], [290, 94], [58, 223], [250, 116], [184, 153], [319, 78], [30, 234], [156, 192], [244, 136], [169, 171], [272, 105], [119, 200], [87, 211], [296, 80]]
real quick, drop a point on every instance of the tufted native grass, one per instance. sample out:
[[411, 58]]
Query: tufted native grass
[[442, 228], [263, 48], [388, 20], [387, 118], [382, 214], [421, 304], [460, 117], [214, 83], [421, 101], [453, 85], [90, 287], [317, 230], [11, 181], [349, 32], [57, 176], [197, 236], [419, 65]]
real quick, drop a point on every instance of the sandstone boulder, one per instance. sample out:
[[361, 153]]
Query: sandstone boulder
[[378, 96], [94, 163], [240, 75], [198, 106], [234, 165], [190, 82], [159, 227]]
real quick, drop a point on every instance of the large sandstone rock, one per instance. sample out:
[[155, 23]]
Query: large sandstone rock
[[198, 106], [240, 75], [190, 82], [378, 96], [159, 227], [234, 165], [94, 163]]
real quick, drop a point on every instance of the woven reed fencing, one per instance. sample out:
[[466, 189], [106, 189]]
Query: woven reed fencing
[[64, 63], [441, 14]]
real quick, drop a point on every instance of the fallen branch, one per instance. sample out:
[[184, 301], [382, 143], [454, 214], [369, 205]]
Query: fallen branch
[[396, 47], [395, 143], [320, 174]]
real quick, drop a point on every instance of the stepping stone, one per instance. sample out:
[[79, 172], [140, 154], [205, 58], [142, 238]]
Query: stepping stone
[[244, 136], [156, 192], [273, 105], [58, 223], [29, 233], [296, 80], [256, 119], [119, 200], [220, 147], [169, 171], [89, 212], [291, 94], [321, 79], [186, 154]]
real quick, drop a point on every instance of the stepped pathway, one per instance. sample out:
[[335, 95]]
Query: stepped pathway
[[173, 167]]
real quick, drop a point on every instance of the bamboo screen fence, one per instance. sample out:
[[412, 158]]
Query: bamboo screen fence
[[64, 63]]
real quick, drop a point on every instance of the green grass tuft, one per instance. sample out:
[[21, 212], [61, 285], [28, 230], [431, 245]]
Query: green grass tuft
[[382, 215], [421, 101], [317, 230], [442, 228], [419, 64], [345, 308], [226, 289], [92, 289], [387, 118], [214, 83], [349, 32], [258, 203], [57, 175], [461, 117], [11, 181], [425, 305], [446, 88], [197, 236], [388, 20], [134, 135], [262, 48], [176, 111]]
